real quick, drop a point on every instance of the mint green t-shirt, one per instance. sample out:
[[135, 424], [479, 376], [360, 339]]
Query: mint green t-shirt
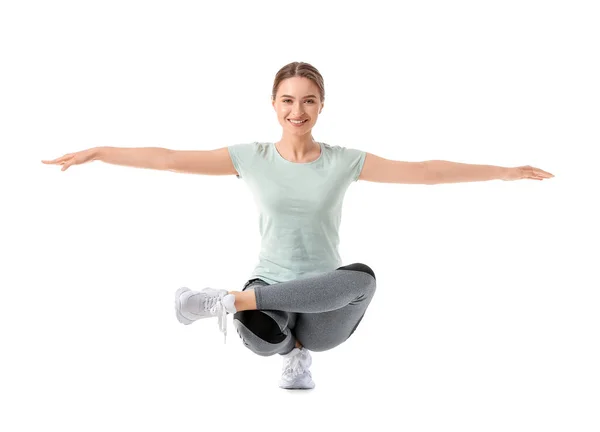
[[300, 207]]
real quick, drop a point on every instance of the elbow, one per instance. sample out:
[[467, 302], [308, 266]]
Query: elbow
[[170, 161], [431, 174]]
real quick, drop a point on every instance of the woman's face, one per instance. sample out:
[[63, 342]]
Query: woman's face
[[297, 98]]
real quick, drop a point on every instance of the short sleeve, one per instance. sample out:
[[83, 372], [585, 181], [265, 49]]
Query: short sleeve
[[242, 156], [353, 160]]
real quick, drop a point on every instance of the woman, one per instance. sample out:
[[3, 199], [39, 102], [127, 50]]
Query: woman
[[299, 297]]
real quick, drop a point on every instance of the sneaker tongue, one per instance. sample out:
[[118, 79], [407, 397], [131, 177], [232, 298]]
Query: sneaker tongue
[[229, 302], [292, 353]]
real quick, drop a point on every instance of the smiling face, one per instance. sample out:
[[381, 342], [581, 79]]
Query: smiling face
[[298, 105]]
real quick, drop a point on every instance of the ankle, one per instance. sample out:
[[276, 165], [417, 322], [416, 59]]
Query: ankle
[[244, 300]]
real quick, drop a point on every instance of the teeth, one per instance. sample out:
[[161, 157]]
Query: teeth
[[297, 121]]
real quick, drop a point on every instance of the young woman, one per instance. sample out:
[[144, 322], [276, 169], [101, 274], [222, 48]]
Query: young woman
[[299, 298]]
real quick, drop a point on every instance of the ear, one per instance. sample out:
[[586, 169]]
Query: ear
[[322, 105]]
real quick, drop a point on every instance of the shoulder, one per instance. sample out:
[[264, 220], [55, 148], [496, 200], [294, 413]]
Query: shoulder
[[344, 153], [247, 149]]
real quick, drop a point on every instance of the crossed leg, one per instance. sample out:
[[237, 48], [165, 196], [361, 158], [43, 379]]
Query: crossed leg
[[319, 312]]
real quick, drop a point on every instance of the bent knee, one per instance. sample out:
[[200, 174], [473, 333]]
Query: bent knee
[[256, 344], [261, 325], [359, 267]]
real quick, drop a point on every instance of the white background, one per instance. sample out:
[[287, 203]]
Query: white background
[[486, 315]]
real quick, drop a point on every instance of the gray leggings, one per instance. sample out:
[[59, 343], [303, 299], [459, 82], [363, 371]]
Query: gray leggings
[[320, 312]]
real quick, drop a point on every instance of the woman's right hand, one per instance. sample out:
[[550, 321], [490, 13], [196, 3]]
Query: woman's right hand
[[74, 158]]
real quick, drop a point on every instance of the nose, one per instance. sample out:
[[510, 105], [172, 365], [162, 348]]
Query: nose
[[297, 110]]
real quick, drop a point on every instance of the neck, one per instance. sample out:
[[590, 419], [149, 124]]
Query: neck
[[298, 146]]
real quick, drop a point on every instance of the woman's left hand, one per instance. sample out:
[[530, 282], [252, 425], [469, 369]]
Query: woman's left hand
[[526, 172]]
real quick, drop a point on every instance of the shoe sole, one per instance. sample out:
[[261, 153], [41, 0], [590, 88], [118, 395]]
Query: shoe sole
[[181, 318], [297, 388]]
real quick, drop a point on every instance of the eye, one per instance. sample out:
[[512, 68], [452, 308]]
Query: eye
[[308, 100]]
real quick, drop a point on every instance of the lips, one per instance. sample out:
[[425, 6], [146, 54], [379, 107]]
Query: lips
[[295, 122]]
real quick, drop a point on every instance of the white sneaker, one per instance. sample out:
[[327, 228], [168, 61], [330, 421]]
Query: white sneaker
[[295, 374], [209, 302]]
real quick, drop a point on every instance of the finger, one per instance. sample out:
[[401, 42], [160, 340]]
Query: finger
[[60, 159], [542, 173], [54, 160]]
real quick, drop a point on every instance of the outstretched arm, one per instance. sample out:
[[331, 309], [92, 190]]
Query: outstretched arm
[[137, 157], [454, 172], [208, 162], [381, 170]]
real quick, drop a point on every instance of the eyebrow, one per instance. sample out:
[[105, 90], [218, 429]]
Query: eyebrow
[[288, 96]]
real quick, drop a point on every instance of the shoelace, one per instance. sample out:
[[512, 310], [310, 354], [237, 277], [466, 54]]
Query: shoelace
[[216, 307], [292, 366]]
